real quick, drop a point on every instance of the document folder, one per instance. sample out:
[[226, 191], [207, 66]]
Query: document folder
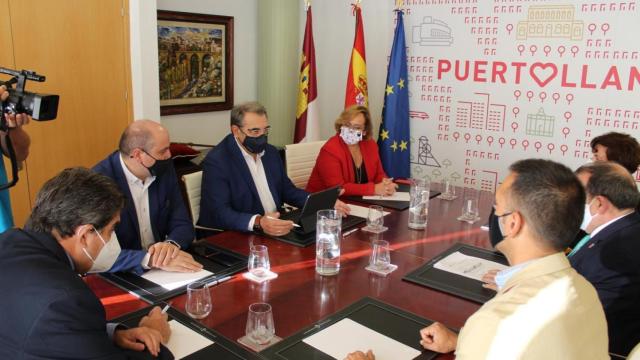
[[391, 204]]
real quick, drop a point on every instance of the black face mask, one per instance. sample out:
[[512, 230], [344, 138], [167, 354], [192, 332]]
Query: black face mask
[[159, 167], [495, 235], [255, 144]]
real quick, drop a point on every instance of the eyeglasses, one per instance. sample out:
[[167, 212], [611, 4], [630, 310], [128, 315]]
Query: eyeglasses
[[499, 216], [257, 131]]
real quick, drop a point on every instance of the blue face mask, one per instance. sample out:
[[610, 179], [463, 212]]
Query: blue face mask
[[256, 144]]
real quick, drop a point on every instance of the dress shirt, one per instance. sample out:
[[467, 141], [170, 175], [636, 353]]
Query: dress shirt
[[140, 194], [260, 179], [504, 275]]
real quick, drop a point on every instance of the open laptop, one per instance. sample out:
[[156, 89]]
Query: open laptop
[[306, 217]]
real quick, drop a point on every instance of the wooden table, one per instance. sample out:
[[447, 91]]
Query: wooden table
[[300, 297]]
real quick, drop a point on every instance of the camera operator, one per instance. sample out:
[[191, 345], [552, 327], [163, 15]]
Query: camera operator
[[21, 142]]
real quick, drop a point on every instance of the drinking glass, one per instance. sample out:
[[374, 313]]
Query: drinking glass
[[375, 218], [418, 204], [448, 190], [470, 212], [380, 257], [260, 327], [259, 265], [198, 304]]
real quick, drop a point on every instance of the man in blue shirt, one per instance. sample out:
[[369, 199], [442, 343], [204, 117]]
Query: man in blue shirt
[[20, 140]]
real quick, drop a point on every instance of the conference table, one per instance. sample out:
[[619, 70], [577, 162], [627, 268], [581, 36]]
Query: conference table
[[299, 297]]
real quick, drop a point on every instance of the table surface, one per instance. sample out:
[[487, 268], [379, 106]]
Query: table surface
[[299, 297]]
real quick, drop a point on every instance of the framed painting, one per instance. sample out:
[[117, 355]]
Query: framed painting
[[195, 56]]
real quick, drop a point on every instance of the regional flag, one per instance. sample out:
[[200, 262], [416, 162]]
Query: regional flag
[[394, 138], [307, 123], [357, 93]]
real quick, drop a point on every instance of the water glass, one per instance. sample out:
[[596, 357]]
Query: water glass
[[328, 234], [380, 257], [470, 212], [448, 190], [418, 204], [260, 328], [259, 265], [375, 218], [198, 304]]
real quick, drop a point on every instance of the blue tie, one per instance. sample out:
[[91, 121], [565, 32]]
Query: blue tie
[[580, 244]]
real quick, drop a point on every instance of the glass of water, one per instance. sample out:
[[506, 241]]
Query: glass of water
[[470, 212], [418, 204], [260, 328], [198, 304], [448, 190], [328, 234], [259, 265], [380, 257], [375, 219]]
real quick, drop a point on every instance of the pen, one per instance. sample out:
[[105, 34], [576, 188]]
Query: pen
[[216, 282], [164, 311], [350, 232], [272, 218]]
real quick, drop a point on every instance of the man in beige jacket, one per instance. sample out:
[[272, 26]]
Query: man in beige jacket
[[544, 309]]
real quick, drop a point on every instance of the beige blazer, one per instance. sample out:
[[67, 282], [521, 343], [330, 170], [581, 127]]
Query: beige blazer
[[545, 311]]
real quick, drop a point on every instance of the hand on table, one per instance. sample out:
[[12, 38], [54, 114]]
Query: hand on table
[[438, 338], [489, 280], [139, 338], [183, 262], [386, 187], [158, 321], [272, 225], [359, 355]]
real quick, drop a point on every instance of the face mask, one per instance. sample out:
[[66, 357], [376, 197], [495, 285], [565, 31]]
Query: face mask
[[587, 216], [159, 167], [495, 229], [350, 136], [255, 145], [107, 255]]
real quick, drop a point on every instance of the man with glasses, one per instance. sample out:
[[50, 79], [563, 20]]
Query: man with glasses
[[244, 183], [155, 227]]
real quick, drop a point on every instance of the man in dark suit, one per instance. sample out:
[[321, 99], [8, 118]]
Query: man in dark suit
[[47, 311], [154, 225], [244, 184], [608, 256]]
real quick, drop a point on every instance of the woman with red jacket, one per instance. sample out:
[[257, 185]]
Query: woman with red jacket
[[350, 158]]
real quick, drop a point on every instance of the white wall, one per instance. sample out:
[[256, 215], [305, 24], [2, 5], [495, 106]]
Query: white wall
[[204, 128]]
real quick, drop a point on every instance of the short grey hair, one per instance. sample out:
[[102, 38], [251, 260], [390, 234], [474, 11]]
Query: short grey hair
[[611, 180], [238, 111], [74, 197]]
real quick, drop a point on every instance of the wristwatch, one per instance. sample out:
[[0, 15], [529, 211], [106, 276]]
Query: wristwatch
[[256, 224]]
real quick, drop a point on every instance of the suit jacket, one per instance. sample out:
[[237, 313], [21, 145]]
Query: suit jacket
[[47, 311], [168, 213], [229, 197], [610, 262], [334, 166], [545, 311]]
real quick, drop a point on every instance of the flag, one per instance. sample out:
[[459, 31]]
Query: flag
[[394, 138], [307, 123], [357, 76]]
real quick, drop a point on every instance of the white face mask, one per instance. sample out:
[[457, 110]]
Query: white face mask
[[107, 255], [350, 136], [587, 216]]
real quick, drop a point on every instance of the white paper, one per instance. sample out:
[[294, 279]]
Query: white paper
[[184, 341], [172, 280], [347, 336], [362, 211], [467, 266], [397, 196]]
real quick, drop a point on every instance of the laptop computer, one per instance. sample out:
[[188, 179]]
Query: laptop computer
[[306, 217]]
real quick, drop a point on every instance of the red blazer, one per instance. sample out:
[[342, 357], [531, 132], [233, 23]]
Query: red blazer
[[334, 166]]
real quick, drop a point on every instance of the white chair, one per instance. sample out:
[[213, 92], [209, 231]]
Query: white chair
[[300, 160], [193, 186]]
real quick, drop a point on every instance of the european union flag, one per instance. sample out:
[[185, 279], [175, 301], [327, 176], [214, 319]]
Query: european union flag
[[393, 139]]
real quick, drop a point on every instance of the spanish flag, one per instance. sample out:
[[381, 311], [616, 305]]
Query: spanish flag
[[357, 93], [307, 124]]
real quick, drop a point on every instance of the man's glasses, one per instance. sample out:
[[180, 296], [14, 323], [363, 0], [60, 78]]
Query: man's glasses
[[257, 131]]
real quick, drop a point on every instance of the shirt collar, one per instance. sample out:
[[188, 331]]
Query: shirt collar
[[132, 179], [601, 227], [245, 153], [73, 266]]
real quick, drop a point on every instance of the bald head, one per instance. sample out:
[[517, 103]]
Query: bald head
[[141, 134], [610, 180]]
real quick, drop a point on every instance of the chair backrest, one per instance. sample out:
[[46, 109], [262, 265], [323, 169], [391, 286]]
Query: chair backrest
[[300, 160], [192, 184]]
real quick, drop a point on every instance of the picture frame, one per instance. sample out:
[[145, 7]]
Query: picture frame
[[195, 58]]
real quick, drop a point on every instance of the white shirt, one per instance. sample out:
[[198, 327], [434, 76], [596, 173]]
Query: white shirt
[[260, 179], [140, 194]]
